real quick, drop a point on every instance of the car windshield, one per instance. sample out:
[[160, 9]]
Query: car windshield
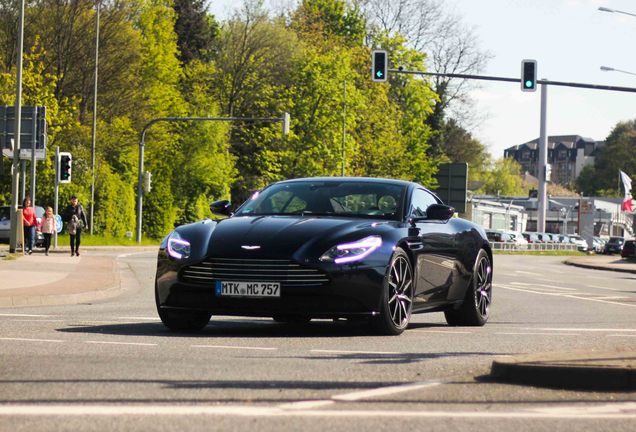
[[325, 198]]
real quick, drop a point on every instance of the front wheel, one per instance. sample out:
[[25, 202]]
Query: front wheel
[[475, 309], [182, 321], [397, 296]]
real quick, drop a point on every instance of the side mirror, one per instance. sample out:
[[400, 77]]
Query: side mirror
[[221, 208], [439, 212]]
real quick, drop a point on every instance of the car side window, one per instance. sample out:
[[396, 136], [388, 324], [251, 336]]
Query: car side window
[[420, 201]]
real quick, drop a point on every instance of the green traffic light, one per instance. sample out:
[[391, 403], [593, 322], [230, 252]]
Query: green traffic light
[[528, 84], [379, 74]]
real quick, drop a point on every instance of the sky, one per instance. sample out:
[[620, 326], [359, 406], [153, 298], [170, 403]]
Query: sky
[[569, 39]]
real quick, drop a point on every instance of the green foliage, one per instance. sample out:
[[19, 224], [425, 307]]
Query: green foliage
[[165, 58], [503, 178], [619, 153]]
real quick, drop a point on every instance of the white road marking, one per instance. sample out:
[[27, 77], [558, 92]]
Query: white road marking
[[234, 347], [140, 318], [605, 288], [120, 343], [565, 295], [304, 405], [580, 329], [535, 286], [385, 391], [622, 335], [440, 331], [353, 352], [25, 315], [613, 411], [537, 334], [528, 273], [31, 340]]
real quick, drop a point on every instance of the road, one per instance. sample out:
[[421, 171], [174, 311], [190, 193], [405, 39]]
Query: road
[[111, 365]]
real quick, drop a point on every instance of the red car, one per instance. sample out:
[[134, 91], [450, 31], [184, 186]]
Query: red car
[[629, 249]]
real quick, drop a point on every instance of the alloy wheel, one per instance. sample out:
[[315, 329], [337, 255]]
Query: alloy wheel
[[483, 286], [400, 292]]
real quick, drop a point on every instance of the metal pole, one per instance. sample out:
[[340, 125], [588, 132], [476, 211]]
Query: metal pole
[[34, 137], [94, 134], [56, 191], [140, 181], [23, 180], [543, 160], [15, 177], [344, 124]]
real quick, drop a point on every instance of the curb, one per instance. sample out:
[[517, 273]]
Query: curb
[[597, 267], [615, 371]]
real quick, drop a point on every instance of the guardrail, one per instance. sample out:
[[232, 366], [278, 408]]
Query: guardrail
[[512, 246]]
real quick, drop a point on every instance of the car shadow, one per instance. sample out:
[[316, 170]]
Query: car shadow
[[241, 328]]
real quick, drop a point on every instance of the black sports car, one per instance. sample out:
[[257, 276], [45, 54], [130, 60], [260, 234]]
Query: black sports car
[[337, 247]]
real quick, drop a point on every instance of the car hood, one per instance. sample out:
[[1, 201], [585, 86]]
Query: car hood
[[283, 236]]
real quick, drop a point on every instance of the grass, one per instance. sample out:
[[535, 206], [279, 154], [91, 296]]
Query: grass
[[100, 240]]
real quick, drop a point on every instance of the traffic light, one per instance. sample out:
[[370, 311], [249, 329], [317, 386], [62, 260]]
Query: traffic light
[[528, 75], [380, 66], [64, 165]]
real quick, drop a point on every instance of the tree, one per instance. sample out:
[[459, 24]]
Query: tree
[[619, 153], [196, 30], [504, 178], [450, 47]]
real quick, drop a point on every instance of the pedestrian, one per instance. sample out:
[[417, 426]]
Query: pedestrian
[[75, 219], [29, 222], [48, 227]]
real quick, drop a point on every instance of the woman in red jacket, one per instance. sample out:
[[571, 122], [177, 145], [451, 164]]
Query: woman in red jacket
[[28, 222]]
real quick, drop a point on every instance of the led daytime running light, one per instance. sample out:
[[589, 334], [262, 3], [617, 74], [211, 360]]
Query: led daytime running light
[[178, 248], [354, 251]]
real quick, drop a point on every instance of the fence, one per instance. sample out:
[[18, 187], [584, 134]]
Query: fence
[[512, 246]]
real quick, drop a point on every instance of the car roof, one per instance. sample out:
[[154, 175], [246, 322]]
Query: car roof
[[353, 180]]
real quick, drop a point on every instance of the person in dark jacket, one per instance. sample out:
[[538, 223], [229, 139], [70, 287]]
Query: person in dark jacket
[[75, 219]]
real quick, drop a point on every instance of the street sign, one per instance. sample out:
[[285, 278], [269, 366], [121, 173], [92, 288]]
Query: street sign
[[452, 179], [58, 223], [32, 131]]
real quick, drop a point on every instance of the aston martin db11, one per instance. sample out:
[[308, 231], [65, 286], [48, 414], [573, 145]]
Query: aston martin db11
[[336, 247]]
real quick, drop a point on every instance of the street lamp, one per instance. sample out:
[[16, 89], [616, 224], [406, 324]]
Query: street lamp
[[604, 9], [611, 69], [94, 132]]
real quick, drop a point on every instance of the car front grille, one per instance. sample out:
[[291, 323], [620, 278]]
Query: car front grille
[[286, 272]]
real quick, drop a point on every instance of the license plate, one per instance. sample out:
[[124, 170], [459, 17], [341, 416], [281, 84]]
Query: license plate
[[247, 289]]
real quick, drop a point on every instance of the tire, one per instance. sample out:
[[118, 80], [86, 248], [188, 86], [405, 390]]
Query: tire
[[475, 309], [182, 321], [397, 296]]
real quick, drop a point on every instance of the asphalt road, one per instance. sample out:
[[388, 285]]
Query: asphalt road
[[112, 365]]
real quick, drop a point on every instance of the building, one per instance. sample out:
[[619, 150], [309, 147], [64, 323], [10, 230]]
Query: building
[[567, 154]]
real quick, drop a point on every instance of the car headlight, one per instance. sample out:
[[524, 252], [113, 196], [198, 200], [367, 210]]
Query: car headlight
[[178, 247], [354, 251]]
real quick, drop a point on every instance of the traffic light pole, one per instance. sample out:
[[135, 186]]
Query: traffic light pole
[[543, 161], [543, 139], [57, 191], [285, 119]]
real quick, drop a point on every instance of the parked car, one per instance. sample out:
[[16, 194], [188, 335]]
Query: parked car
[[564, 238], [599, 244], [531, 237], [308, 248], [5, 224], [614, 245], [517, 238], [498, 236], [629, 249], [581, 244]]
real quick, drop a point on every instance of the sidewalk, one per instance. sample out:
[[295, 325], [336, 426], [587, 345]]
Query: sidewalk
[[603, 262], [61, 279]]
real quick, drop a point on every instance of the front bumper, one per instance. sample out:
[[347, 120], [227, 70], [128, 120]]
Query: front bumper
[[349, 292]]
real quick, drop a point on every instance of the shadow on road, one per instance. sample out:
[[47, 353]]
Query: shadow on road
[[241, 329]]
